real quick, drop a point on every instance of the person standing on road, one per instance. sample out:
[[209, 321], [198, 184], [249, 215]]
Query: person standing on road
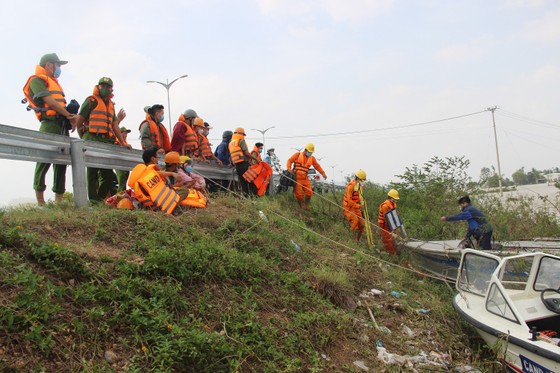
[[46, 98], [98, 122], [479, 227]]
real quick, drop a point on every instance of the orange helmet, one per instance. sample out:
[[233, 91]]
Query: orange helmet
[[125, 203], [199, 122], [240, 131], [172, 158]]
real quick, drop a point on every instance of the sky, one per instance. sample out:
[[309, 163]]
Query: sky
[[312, 69]]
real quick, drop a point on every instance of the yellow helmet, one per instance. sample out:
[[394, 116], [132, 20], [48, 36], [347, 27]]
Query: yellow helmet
[[310, 148], [198, 122], [361, 174], [184, 158], [393, 194]]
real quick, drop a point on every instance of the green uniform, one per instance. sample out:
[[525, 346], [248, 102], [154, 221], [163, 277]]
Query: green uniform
[[48, 125], [99, 180]]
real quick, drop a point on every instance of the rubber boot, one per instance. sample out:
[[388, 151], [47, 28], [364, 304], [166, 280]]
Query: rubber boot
[[40, 198], [58, 197]]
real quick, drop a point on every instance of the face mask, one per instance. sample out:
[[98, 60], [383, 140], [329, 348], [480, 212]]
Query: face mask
[[161, 119], [188, 169], [104, 92], [308, 154], [260, 150], [161, 163], [57, 72], [200, 131]]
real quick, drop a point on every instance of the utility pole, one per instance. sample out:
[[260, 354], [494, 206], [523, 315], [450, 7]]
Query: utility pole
[[493, 109]]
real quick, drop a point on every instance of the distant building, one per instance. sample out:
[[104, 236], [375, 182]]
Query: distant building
[[552, 177]]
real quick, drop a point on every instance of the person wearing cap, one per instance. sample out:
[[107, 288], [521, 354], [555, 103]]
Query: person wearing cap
[[204, 151], [184, 140], [353, 204], [478, 225], [273, 160], [152, 130], [46, 98], [122, 175], [301, 162], [97, 121], [222, 151], [240, 157], [388, 235]]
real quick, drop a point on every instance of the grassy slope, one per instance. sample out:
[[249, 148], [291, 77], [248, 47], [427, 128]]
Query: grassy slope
[[211, 290]]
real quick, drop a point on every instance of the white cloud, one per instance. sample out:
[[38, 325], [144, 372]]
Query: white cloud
[[353, 11], [546, 29], [524, 3], [466, 52]]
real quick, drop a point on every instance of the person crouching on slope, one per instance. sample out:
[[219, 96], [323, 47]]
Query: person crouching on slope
[[354, 204], [302, 162]]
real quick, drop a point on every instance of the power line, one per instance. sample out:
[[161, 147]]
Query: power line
[[381, 129], [520, 117]]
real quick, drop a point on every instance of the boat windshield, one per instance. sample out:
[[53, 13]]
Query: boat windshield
[[476, 272], [548, 276]]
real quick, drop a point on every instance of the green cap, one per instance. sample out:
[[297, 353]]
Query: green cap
[[52, 58], [106, 80], [125, 130]]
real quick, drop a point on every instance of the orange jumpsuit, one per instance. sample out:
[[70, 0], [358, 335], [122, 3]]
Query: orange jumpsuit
[[386, 237], [352, 206], [301, 164]]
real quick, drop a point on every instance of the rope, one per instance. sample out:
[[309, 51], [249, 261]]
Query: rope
[[305, 228]]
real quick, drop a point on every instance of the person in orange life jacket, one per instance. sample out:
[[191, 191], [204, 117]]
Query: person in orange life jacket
[[152, 129], [388, 236], [97, 121], [240, 157], [156, 157], [353, 204], [479, 227], [184, 140], [300, 162], [204, 147], [122, 175], [256, 153], [46, 97], [190, 178]]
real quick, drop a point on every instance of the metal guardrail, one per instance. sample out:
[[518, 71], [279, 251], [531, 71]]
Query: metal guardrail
[[34, 146]]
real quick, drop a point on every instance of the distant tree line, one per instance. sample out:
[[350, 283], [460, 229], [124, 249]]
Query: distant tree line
[[489, 177]]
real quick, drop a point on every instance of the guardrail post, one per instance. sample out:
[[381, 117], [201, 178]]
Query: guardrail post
[[79, 173]]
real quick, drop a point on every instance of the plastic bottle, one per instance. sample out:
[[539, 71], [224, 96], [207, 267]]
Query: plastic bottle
[[296, 246], [263, 216]]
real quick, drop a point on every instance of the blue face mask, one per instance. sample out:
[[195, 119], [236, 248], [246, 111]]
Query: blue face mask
[[161, 118], [260, 150], [308, 154], [57, 72], [161, 164], [188, 169]]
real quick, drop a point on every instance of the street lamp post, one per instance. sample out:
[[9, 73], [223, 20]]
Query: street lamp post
[[333, 178], [263, 132], [168, 85]]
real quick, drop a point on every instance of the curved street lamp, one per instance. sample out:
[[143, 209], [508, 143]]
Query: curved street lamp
[[263, 132], [168, 85]]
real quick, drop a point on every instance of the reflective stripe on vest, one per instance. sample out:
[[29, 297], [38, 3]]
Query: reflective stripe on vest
[[204, 148], [158, 134], [100, 119], [250, 175], [162, 196], [235, 150], [194, 199], [53, 87], [191, 143], [301, 166]]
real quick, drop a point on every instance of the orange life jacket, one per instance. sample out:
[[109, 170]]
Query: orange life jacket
[[158, 134], [195, 199], [259, 174], [204, 149], [237, 155], [302, 165], [354, 197], [191, 143], [255, 153], [53, 87], [149, 184], [101, 118]]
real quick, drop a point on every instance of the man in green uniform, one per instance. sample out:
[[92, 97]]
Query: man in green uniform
[[97, 121], [46, 98]]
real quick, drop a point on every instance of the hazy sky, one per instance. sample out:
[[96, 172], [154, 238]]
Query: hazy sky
[[309, 68]]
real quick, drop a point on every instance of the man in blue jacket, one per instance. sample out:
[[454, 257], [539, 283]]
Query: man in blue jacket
[[479, 227]]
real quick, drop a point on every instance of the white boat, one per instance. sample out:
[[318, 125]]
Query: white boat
[[442, 257], [514, 304]]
